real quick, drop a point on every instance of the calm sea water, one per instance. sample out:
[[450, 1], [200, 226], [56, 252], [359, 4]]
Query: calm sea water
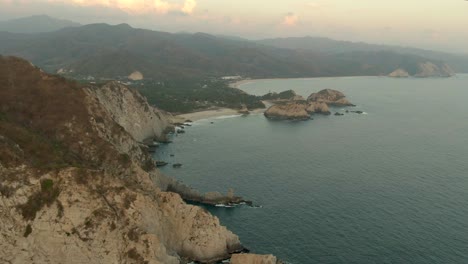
[[390, 186]]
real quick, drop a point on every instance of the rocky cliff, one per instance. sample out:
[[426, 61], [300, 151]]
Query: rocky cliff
[[76, 186]]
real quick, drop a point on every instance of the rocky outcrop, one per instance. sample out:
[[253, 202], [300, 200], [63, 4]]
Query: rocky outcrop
[[288, 111], [136, 76], [330, 97], [318, 107], [254, 259], [399, 73], [76, 186]]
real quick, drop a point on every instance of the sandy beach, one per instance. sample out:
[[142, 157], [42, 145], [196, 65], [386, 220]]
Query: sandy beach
[[195, 116], [207, 114]]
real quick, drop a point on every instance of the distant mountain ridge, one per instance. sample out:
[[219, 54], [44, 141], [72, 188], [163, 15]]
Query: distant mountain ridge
[[459, 62], [36, 24], [106, 51]]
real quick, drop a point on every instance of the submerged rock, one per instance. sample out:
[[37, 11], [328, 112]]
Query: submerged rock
[[339, 114], [161, 163]]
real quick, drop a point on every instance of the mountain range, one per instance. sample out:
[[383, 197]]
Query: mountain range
[[459, 62], [115, 51], [36, 24]]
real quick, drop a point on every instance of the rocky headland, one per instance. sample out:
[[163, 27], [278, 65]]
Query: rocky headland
[[300, 109], [78, 186], [424, 70]]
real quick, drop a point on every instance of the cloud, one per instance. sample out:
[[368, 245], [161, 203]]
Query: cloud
[[290, 20], [134, 7], [189, 6], [314, 5]]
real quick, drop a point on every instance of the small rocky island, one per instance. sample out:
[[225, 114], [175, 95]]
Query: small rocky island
[[298, 108]]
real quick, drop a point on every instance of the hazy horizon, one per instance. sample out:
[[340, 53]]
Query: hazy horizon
[[430, 24]]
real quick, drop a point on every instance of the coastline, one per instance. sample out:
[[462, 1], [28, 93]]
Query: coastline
[[238, 84]]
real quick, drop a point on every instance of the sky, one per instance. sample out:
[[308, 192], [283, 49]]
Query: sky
[[431, 24]]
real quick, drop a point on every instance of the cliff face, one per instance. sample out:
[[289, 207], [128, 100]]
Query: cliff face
[[131, 111], [77, 187]]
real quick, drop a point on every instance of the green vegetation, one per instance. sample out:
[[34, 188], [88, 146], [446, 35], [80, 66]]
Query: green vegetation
[[188, 95], [278, 96], [46, 196]]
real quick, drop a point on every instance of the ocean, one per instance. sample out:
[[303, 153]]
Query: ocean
[[387, 186]]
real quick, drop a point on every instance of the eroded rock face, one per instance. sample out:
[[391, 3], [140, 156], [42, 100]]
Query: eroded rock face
[[253, 259], [288, 111], [330, 97]]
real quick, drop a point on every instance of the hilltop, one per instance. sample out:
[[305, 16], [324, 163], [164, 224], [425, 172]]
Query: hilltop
[[78, 185]]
